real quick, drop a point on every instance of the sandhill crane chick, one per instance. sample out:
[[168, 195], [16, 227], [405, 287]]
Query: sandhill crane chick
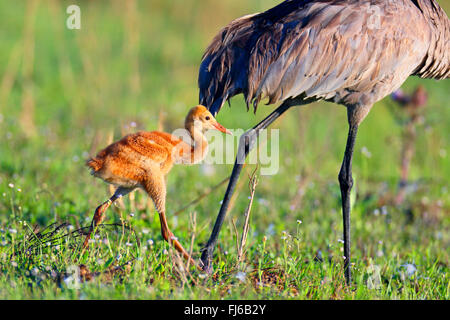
[[143, 159]]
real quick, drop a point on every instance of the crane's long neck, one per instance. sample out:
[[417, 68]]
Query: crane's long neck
[[200, 147], [197, 150], [437, 61]]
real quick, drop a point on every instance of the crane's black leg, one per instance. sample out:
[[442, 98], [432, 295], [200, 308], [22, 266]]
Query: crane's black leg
[[246, 144], [346, 184]]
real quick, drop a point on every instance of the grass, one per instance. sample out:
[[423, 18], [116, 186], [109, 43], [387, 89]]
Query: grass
[[64, 94]]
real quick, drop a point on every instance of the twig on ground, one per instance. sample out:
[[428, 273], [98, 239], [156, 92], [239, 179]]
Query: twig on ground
[[193, 224], [252, 186], [197, 200]]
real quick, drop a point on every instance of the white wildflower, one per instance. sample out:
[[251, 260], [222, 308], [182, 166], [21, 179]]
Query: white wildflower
[[241, 276]]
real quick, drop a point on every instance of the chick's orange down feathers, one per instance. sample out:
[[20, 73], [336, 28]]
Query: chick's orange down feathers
[[128, 161]]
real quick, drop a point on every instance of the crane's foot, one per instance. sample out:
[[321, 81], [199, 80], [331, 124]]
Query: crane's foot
[[98, 217], [206, 260], [86, 240]]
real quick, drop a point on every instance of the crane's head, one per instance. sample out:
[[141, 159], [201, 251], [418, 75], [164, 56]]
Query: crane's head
[[201, 116]]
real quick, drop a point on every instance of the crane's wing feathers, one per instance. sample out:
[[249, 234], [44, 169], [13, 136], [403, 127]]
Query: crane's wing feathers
[[327, 49]]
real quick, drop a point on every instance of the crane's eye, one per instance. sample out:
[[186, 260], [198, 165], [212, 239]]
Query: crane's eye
[[207, 118]]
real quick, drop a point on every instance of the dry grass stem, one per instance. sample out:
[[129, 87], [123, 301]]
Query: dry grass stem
[[252, 186], [203, 195]]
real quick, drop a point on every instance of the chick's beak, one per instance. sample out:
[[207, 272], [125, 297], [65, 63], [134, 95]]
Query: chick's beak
[[221, 128]]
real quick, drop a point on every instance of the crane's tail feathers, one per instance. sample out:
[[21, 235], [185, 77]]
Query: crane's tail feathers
[[95, 164]]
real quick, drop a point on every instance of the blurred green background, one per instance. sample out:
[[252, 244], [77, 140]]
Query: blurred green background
[[64, 94]]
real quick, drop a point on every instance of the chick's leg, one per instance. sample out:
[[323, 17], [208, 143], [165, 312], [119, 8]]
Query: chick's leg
[[156, 189], [101, 209]]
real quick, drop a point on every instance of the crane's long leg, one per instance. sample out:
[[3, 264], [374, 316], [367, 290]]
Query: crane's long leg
[[346, 184], [156, 189], [246, 144], [99, 212]]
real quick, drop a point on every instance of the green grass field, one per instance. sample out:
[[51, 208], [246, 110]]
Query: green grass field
[[64, 94]]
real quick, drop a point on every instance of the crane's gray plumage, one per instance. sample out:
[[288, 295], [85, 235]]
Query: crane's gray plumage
[[352, 52]]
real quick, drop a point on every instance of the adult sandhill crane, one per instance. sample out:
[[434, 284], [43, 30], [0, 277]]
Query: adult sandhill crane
[[143, 159], [351, 52]]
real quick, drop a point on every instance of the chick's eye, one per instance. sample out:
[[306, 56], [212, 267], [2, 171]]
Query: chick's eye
[[207, 118]]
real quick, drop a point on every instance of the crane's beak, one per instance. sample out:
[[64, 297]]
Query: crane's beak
[[221, 128]]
